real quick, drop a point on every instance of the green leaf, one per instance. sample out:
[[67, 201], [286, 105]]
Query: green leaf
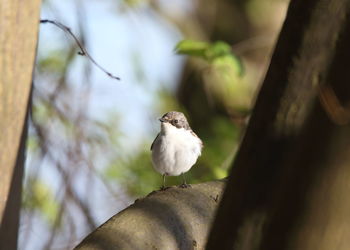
[[230, 62], [218, 53], [192, 48], [218, 49]]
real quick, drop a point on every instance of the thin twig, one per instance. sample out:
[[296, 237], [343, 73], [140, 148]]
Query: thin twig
[[337, 112], [83, 51]]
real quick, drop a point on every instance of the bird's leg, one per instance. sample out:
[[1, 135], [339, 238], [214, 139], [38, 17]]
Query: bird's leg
[[163, 187], [184, 184]]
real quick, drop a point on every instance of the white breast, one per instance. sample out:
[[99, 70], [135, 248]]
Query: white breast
[[175, 150]]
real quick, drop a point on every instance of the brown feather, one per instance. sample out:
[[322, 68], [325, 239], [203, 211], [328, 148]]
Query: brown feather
[[154, 141]]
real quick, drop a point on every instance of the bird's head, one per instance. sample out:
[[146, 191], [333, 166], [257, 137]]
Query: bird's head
[[176, 119]]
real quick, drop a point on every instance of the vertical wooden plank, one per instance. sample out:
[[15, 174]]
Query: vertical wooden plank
[[19, 21]]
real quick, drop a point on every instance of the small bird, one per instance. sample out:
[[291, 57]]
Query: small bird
[[176, 147]]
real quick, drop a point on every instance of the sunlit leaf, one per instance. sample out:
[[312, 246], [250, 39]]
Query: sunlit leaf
[[192, 48], [218, 49], [218, 53], [231, 62]]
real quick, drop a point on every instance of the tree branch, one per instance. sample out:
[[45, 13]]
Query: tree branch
[[172, 219], [83, 51], [288, 187]]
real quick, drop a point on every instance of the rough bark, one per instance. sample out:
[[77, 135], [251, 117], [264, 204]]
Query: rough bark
[[289, 185], [19, 22], [176, 218]]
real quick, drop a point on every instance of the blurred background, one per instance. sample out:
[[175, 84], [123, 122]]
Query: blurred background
[[88, 150]]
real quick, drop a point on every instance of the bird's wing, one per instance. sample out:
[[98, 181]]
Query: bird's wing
[[194, 134], [154, 141]]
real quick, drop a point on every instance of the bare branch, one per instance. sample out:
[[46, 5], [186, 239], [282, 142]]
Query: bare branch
[[83, 51]]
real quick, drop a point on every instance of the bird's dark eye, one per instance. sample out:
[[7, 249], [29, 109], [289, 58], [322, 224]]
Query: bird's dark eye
[[176, 121]]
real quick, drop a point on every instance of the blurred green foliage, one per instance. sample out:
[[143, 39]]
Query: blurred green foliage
[[221, 143], [223, 73], [215, 89], [38, 196], [216, 53], [32, 144], [134, 173], [53, 62]]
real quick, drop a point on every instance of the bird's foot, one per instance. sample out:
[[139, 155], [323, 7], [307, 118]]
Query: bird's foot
[[185, 185], [163, 188]]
